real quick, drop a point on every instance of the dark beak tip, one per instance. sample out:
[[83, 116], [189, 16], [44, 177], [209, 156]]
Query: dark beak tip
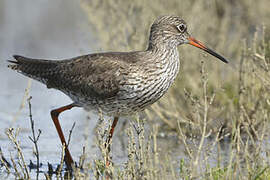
[[224, 60], [198, 44]]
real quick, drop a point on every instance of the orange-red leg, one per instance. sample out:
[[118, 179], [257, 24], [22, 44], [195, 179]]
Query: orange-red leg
[[54, 114], [107, 145]]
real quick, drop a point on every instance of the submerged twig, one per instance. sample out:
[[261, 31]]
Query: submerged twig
[[70, 132], [34, 138]]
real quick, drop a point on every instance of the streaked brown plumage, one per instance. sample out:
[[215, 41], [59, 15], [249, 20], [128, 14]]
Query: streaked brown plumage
[[118, 83]]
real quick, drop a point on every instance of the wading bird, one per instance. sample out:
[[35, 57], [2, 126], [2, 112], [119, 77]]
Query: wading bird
[[118, 83]]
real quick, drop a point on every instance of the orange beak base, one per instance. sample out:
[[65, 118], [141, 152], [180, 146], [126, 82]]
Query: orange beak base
[[200, 45]]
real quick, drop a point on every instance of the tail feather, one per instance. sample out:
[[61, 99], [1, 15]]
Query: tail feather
[[41, 70], [14, 64]]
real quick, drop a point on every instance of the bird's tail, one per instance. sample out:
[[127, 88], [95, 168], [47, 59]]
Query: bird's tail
[[41, 70]]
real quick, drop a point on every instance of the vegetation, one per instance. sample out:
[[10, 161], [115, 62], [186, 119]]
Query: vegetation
[[212, 106]]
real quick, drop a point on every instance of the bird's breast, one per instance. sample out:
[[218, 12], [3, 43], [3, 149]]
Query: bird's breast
[[141, 86], [145, 87]]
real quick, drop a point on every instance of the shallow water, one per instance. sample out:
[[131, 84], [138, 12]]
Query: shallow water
[[42, 29]]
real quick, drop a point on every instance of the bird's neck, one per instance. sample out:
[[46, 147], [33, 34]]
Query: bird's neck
[[164, 53], [166, 59], [163, 49], [161, 41], [166, 63]]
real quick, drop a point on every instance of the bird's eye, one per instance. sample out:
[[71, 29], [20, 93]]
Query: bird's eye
[[182, 28]]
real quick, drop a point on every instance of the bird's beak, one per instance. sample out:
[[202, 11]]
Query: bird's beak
[[200, 45]]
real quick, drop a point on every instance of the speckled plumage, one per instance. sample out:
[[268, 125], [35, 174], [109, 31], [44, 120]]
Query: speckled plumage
[[119, 83]]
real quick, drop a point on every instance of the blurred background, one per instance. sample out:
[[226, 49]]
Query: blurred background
[[66, 28], [39, 29]]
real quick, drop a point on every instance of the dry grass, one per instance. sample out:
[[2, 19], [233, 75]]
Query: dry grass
[[212, 106], [124, 25], [230, 103]]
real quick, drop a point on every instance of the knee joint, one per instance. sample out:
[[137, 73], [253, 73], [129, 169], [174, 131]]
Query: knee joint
[[54, 113]]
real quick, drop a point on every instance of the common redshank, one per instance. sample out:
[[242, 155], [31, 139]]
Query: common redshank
[[117, 83]]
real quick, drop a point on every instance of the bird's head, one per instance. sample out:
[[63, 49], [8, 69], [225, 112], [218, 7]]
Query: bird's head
[[171, 31]]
